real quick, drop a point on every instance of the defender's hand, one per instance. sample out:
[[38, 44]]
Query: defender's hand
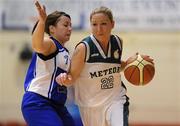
[[41, 10], [64, 79]]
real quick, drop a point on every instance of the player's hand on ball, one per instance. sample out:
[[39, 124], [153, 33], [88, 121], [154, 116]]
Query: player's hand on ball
[[64, 79], [148, 58], [123, 65], [139, 70]]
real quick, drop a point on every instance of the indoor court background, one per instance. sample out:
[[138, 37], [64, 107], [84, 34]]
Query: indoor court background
[[156, 104]]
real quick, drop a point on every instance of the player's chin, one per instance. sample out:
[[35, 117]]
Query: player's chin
[[67, 38]]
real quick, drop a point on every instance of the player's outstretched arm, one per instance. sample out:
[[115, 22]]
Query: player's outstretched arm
[[39, 44], [77, 64]]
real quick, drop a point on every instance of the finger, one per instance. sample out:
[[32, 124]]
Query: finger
[[44, 8], [37, 4], [58, 80], [69, 77], [146, 56], [64, 76], [151, 59]]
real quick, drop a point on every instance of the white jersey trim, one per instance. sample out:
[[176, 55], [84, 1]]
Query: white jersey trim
[[100, 49], [87, 50], [119, 42], [52, 80]]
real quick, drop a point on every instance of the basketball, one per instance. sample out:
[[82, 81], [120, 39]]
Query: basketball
[[139, 69]]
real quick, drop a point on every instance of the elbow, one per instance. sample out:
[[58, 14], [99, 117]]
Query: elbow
[[37, 47]]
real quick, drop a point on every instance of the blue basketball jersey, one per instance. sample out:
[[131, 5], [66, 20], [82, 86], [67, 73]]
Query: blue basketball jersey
[[43, 70]]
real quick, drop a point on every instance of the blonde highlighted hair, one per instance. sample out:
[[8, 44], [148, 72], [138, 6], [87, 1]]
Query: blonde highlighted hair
[[103, 10]]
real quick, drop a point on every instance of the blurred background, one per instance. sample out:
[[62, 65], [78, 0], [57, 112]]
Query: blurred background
[[149, 27]]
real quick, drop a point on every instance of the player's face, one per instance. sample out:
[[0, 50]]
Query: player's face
[[63, 29], [101, 26]]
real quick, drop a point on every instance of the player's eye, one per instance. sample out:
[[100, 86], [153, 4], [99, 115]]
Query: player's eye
[[66, 25], [94, 24], [104, 23]]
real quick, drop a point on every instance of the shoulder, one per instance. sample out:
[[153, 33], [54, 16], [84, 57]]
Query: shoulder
[[51, 46], [82, 49], [81, 46], [84, 43], [47, 39], [117, 38]]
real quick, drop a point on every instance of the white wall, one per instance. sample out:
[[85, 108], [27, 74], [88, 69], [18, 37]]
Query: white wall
[[130, 15], [12, 72], [158, 102]]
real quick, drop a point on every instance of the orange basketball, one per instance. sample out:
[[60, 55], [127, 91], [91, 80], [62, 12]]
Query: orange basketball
[[139, 70]]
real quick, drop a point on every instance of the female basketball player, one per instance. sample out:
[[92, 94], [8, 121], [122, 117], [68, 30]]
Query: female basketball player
[[95, 71], [44, 99]]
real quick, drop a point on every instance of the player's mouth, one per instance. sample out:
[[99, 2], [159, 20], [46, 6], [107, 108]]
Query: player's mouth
[[68, 35]]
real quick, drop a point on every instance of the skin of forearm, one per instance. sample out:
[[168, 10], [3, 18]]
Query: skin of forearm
[[38, 37]]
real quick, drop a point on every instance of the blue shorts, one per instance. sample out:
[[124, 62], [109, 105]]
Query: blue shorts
[[40, 111]]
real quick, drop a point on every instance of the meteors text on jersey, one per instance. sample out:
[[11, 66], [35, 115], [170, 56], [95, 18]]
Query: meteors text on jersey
[[105, 72]]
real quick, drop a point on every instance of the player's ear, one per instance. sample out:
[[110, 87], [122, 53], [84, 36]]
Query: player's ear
[[51, 29], [113, 23]]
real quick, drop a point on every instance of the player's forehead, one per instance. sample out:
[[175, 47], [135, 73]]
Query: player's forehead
[[100, 17], [64, 19]]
